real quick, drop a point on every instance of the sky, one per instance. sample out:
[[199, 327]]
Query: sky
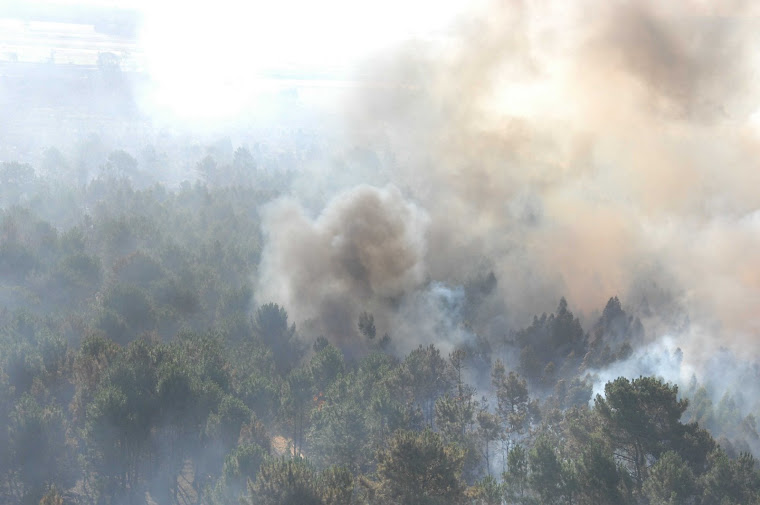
[[226, 51], [221, 50]]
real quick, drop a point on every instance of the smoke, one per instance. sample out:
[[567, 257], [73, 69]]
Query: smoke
[[720, 385], [364, 252], [586, 150], [661, 358], [430, 314]]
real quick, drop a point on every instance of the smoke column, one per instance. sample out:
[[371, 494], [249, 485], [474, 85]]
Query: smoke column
[[588, 150]]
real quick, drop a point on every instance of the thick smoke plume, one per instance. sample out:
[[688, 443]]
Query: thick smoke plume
[[364, 252], [587, 150]]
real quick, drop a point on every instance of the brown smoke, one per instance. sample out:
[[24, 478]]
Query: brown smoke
[[363, 252], [583, 149]]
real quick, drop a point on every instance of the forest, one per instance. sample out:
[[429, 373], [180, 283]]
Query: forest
[[379, 253], [136, 367]]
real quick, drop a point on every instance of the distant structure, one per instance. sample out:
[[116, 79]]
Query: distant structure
[[69, 35]]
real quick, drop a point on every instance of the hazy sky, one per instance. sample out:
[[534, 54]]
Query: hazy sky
[[219, 50], [206, 59]]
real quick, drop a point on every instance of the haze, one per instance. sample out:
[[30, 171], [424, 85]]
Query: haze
[[315, 252]]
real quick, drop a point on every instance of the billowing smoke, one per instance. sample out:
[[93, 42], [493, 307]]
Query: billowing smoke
[[363, 253], [584, 150]]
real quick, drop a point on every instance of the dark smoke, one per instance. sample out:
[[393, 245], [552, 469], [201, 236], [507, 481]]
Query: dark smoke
[[364, 252]]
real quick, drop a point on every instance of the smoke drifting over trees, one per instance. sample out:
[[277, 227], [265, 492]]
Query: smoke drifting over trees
[[508, 260], [364, 252], [576, 150]]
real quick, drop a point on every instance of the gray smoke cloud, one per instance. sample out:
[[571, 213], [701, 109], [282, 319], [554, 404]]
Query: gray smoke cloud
[[364, 252], [583, 149]]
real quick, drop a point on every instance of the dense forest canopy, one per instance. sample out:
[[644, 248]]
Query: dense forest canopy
[[511, 261], [136, 363]]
